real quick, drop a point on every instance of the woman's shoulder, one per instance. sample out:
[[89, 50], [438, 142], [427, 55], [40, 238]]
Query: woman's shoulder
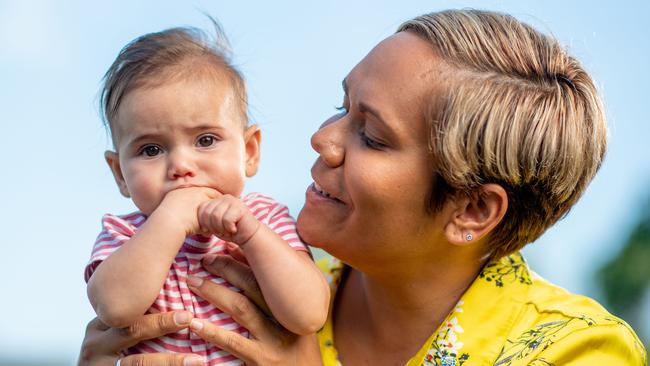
[[556, 326], [551, 298], [510, 316]]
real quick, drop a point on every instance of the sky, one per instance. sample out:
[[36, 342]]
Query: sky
[[55, 185]]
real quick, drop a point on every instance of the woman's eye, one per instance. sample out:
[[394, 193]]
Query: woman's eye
[[206, 141], [370, 142], [151, 150]]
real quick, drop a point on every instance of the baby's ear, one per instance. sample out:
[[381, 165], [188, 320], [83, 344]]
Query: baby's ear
[[113, 161], [252, 139]]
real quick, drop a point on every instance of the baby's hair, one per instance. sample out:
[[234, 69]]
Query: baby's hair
[[176, 53], [520, 112]]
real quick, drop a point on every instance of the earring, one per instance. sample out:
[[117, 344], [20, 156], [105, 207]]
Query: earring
[[469, 237]]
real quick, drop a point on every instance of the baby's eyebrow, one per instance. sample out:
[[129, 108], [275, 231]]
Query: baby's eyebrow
[[204, 127], [145, 136]]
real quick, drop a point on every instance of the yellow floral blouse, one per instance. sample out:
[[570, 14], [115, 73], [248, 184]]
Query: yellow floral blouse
[[510, 317]]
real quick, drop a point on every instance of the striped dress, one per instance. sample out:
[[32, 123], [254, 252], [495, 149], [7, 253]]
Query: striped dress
[[175, 294]]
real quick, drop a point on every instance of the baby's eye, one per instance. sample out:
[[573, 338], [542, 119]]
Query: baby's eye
[[151, 150], [206, 141]]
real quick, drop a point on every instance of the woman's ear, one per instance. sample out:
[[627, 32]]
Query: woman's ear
[[475, 216], [252, 139], [113, 161]]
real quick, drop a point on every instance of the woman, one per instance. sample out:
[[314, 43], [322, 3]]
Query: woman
[[461, 138]]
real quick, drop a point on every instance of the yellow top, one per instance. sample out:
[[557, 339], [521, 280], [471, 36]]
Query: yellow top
[[510, 316]]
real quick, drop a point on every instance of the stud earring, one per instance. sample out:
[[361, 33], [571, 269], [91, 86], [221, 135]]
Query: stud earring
[[469, 237]]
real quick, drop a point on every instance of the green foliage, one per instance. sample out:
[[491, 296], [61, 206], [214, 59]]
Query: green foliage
[[626, 277]]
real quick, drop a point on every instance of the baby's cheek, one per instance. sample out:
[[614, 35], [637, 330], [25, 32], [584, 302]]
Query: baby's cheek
[[232, 178], [146, 192]]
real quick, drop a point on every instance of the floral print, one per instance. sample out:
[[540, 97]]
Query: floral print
[[445, 350], [512, 268], [508, 317]]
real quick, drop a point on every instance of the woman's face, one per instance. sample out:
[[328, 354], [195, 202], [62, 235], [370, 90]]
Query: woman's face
[[374, 172]]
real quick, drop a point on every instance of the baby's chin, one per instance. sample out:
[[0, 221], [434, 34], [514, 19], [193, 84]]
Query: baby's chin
[[146, 208]]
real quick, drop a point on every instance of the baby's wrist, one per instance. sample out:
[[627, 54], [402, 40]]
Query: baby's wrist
[[251, 233], [167, 219]]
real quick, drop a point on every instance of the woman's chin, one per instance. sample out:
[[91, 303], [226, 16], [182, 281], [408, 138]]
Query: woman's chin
[[308, 227]]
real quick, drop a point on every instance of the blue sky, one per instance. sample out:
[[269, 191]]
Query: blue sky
[[55, 185]]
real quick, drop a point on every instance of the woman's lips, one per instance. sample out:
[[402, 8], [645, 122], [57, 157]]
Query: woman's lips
[[318, 190]]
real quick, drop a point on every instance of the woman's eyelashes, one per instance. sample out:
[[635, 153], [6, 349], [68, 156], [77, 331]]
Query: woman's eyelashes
[[369, 141]]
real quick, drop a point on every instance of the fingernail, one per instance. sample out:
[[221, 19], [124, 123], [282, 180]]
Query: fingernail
[[208, 259], [193, 361], [194, 281], [182, 318], [196, 324]]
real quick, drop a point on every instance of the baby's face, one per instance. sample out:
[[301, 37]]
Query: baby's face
[[181, 134]]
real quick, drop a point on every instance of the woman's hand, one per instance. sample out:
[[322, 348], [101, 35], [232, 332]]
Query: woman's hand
[[270, 343], [102, 345]]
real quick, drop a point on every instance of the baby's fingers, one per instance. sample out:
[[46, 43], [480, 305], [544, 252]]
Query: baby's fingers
[[210, 216], [232, 216]]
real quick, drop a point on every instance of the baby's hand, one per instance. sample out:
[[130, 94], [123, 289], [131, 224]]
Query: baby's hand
[[181, 205], [228, 218]]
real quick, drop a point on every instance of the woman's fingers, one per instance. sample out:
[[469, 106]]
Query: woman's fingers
[[284, 349], [102, 345], [148, 327], [237, 305], [162, 359], [241, 347], [239, 275], [236, 252]]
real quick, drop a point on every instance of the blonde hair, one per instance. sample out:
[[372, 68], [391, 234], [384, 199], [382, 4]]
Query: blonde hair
[[155, 58], [519, 112]]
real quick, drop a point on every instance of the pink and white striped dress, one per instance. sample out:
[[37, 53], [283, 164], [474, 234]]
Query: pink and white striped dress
[[175, 295]]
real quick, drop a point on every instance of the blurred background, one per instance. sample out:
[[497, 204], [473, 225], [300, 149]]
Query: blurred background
[[55, 185]]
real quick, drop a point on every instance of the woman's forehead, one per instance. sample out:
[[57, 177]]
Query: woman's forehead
[[399, 77], [403, 61]]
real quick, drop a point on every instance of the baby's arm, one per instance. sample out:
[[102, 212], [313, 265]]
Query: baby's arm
[[125, 285], [293, 287]]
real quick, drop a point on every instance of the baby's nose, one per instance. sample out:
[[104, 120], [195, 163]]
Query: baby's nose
[[181, 165]]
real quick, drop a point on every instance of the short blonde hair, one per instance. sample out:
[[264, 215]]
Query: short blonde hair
[[519, 112]]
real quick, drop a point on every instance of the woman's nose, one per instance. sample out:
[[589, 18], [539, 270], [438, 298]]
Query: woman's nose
[[328, 142], [181, 165]]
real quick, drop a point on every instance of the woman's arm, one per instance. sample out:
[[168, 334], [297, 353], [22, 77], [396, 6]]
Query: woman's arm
[[102, 345]]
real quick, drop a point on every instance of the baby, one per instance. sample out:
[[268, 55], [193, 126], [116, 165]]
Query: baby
[[177, 113]]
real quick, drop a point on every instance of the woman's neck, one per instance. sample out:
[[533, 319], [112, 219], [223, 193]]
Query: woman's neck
[[410, 301]]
